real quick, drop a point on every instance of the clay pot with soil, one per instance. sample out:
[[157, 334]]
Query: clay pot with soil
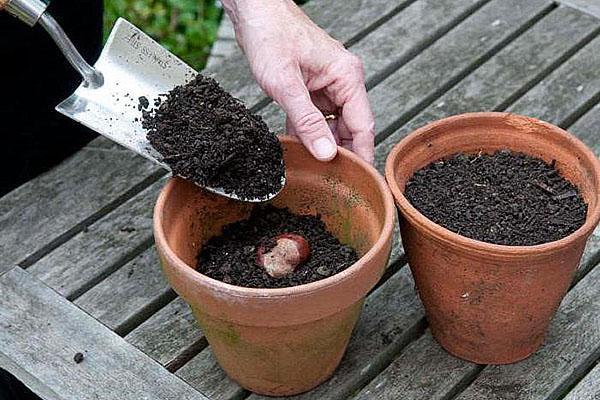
[[282, 340], [518, 199]]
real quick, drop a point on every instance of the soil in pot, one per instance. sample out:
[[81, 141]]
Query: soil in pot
[[240, 255], [502, 198], [209, 137]]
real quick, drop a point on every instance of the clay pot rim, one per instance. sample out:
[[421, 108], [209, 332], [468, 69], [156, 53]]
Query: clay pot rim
[[479, 247], [292, 291]]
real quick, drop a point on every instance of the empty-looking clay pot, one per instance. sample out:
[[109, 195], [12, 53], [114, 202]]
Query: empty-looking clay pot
[[488, 303], [281, 341]]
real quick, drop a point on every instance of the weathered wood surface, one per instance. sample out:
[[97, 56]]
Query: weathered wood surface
[[577, 29], [392, 317], [422, 371], [587, 129], [204, 374], [169, 335], [572, 346], [589, 6], [48, 210], [465, 48], [131, 294], [102, 247], [576, 82], [58, 202], [41, 332], [513, 70], [426, 371], [346, 20], [588, 388], [437, 66], [393, 43]]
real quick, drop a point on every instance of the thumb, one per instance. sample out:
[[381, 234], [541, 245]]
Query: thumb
[[307, 121]]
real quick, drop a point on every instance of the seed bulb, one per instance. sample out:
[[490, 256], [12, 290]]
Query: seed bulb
[[290, 251]]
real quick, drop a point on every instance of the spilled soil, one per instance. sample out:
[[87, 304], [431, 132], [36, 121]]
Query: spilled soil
[[232, 256], [207, 136], [503, 198]]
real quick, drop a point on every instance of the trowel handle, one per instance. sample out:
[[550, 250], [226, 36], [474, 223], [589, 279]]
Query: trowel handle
[[33, 11], [28, 11]]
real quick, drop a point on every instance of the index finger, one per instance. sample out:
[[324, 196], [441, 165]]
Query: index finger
[[360, 122]]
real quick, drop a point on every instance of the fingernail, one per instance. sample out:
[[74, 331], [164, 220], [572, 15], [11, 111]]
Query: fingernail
[[323, 148]]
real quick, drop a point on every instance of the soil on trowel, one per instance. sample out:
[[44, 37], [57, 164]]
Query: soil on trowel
[[232, 256], [207, 136], [503, 198]]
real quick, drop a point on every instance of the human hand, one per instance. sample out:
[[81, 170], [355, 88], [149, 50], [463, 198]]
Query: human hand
[[308, 73]]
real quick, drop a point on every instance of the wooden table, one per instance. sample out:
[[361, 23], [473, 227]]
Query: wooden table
[[79, 273]]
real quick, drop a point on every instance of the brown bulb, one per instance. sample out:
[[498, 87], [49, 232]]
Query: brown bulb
[[290, 251]]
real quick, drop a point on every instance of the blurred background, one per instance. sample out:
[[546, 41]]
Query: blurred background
[[187, 28]]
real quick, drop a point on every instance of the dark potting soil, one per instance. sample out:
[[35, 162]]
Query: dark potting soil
[[209, 137], [231, 257], [504, 198]]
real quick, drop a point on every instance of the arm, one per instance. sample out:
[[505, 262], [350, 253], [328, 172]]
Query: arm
[[308, 73]]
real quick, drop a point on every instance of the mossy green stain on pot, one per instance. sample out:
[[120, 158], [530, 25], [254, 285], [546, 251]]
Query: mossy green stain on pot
[[281, 341]]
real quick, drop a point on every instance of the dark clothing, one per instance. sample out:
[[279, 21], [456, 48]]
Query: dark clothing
[[34, 78]]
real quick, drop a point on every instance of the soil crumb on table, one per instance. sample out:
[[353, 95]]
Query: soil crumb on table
[[231, 257], [502, 198], [209, 137]]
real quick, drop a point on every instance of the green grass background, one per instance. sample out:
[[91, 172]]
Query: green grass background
[[187, 28]]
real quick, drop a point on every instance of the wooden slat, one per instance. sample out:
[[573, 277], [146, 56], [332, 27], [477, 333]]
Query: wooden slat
[[392, 316], [455, 101], [168, 334], [449, 59], [95, 252], [575, 32], [60, 202], [589, 6], [588, 388], [77, 268], [41, 331], [573, 343], [586, 129], [518, 65], [135, 291], [423, 371], [399, 39], [53, 204], [343, 19], [204, 374], [576, 82]]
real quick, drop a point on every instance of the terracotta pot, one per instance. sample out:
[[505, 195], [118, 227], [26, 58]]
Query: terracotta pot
[[487, 303], [281, 341]]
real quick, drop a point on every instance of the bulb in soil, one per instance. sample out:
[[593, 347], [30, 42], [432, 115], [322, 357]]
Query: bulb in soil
[[290, 251]]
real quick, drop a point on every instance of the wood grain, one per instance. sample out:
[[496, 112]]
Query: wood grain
[[588, 6], [588, 388], [40, 333], [572, 345], [168, 334], [204, 374], [130, 295], [53, 204], [422, 371], [392, 44], [104, 246]]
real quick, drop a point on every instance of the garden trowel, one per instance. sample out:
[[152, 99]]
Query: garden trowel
[[131, 69]]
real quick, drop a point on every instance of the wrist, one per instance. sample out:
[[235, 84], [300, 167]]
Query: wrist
[[240, 11]]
